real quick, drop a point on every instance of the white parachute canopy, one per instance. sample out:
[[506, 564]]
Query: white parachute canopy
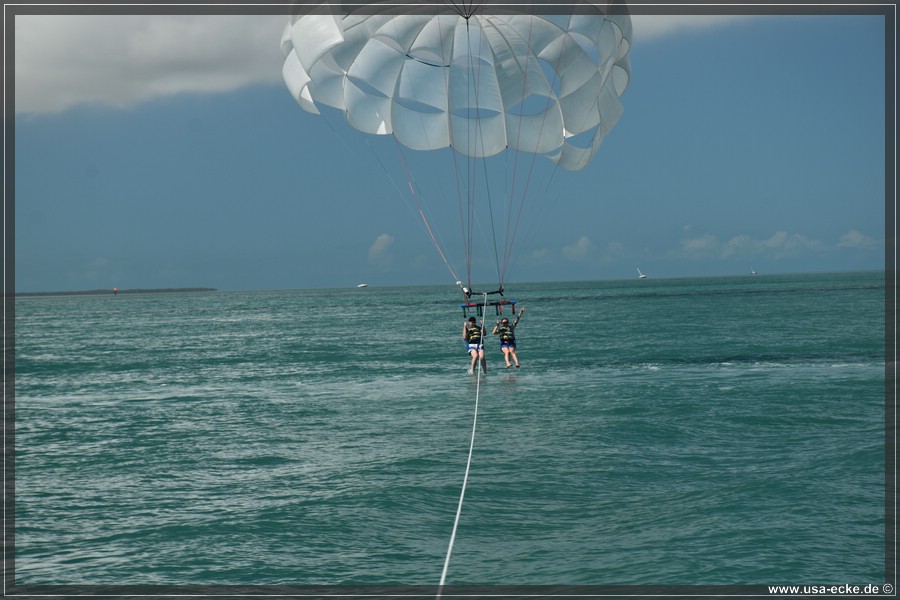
[[479, 83]]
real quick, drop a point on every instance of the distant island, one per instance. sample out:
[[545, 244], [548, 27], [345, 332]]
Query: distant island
[[116, 291]]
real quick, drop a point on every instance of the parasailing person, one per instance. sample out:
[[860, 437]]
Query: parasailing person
[[473, 334], [507, 333]]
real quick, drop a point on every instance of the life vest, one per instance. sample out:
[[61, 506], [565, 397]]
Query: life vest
[[473, 334], [507, 336]]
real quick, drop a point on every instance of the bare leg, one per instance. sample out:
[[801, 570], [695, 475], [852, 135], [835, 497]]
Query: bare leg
[[515, 358], [506, 352], [474, 354], [483, 360]]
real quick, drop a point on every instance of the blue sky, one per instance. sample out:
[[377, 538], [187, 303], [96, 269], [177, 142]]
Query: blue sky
[[165, 151]]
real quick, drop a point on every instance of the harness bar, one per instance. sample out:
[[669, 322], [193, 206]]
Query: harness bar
[[499, 304]]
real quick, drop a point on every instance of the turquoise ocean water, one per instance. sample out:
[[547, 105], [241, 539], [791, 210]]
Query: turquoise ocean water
[[714, 431]]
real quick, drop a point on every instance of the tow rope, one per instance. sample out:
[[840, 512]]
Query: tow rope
[[462, 492]]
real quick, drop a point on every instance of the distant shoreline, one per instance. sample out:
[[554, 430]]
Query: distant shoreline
[[113, 292]]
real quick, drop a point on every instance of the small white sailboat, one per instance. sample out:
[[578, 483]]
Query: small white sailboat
[[362, 285], [641, 275]]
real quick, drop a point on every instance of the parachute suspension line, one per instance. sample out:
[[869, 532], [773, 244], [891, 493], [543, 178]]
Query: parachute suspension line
[[468, 227], [474, 127], [556, 79], [462, 223], [340, 138], [487, 191], [446, 262], [459, 194], [421, 212], [462, 492], [510, 245], [464, 9], [554, 197], [409, 181], [484, 166], [476, 136], [556, 167], [507, 243], [511, 233]]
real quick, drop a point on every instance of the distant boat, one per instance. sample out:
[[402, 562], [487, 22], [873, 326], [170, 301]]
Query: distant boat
[[641, 275], [361, 285], [752, 272]]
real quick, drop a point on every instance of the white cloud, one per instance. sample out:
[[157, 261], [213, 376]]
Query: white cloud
[[539, 255], [380, 250], [740, 245], [784, 245], [777, 240], [699, 246], [122, 60], [779, 245], [579, 250], [855, 239]]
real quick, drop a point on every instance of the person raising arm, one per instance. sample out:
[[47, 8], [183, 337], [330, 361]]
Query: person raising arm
[[507, 333]]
